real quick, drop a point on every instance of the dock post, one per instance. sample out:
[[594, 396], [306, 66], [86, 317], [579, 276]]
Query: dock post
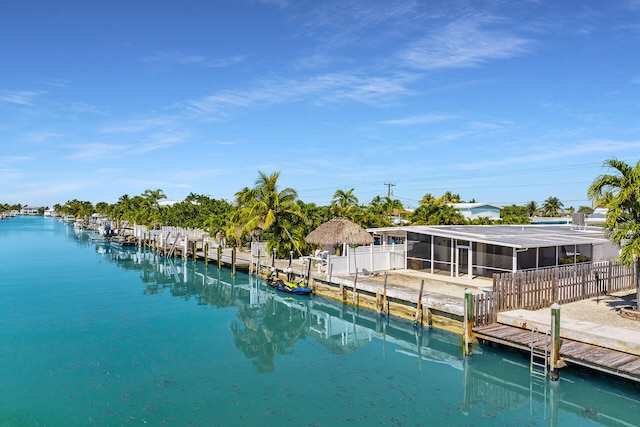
[[258, 264], [233, 261], [385, 302], [468, 322], [355, 285], [185, 248], [308, 273], [419, 317], [195, 246], [206, 255], [554, 363], [219, 258]]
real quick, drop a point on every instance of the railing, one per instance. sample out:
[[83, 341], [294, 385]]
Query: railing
[[484, 309], [536, 289], [370, 258]]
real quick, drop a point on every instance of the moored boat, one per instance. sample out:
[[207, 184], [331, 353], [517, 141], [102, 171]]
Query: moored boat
[[288, 287]]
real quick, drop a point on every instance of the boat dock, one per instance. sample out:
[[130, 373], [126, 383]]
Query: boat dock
[[432, 300], [607, 349]]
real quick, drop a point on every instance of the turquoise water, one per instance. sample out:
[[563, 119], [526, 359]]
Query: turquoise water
[[90, 335]]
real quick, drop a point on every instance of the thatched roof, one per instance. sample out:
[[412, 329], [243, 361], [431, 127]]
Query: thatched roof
[[338, 231]]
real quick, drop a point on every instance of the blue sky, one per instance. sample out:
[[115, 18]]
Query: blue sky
[[499, 101]]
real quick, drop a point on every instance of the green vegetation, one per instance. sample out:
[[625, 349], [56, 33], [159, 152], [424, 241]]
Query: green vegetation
[[7, 207], [268, 213], [619, 192]]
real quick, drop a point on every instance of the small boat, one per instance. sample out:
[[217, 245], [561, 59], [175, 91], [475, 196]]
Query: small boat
[[288, 287], [95, 236], [123, 241]]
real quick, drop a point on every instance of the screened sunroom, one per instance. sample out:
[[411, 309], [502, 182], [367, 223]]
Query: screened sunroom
[[481, 250]]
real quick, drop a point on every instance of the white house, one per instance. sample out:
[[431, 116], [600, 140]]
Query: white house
[[481, 250], [478, 210]]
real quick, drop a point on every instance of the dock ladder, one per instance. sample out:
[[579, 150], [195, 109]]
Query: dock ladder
[[539, 353]]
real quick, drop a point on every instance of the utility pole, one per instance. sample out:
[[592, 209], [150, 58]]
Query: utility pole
[[389, 185]]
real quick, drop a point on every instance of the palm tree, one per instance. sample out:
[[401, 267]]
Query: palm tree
[[427, 199], [263, 210], [532, 208], [448, 197], [551, 206], [437, 214], [622, 221], [344, 202]]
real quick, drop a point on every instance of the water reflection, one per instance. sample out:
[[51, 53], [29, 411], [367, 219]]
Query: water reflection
[[269, 325]]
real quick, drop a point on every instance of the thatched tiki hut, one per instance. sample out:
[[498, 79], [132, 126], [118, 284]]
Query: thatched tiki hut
[[339, 231]]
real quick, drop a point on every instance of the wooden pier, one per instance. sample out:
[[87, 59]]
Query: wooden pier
[[602, 359]]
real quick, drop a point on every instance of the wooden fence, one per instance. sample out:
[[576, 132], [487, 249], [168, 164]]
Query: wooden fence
[[537, 289], [484, 309]]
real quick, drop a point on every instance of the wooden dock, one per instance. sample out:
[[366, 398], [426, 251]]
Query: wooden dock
[[602, 359]]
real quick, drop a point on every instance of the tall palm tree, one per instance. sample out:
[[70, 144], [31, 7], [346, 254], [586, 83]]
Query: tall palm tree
[[344, 202], [427, 199], [448, 197], [622, 221], [551, 206], [264, 210], [391, 205], [532, 208]]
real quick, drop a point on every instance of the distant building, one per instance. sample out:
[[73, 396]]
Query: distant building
[[551, 220], [29, 210], [478, 210], [167, 203], [599, 216]]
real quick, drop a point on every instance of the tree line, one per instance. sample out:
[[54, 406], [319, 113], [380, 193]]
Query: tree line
[[268, 213]]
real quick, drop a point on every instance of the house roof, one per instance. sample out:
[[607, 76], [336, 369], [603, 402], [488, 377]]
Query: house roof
[[515, 236], [474, 205]]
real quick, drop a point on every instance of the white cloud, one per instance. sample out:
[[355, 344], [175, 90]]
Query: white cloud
[[21, 97], [176, 58], [463, 43], [325, 88], [418, 120], [95, 151], [179, 58], [138, 126], [226, 62]]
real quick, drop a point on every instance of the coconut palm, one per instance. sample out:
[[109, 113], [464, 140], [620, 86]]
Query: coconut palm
[[344, 202], [622, 221], [427, 199], [532, 208], [265, 211], [392, 206], [437, 214], [551, 206]]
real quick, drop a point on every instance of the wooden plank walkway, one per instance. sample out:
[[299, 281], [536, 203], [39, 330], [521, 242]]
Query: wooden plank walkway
[[602, 359]]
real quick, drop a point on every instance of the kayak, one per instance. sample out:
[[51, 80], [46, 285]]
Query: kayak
[[288, 287]]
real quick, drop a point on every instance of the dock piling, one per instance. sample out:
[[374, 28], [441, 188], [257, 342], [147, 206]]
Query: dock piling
[[385, 302], [554, 363], [468, 322], [233, 261], [419, 316]]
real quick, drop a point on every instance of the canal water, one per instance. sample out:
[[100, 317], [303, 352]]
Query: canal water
[[98, 335]]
